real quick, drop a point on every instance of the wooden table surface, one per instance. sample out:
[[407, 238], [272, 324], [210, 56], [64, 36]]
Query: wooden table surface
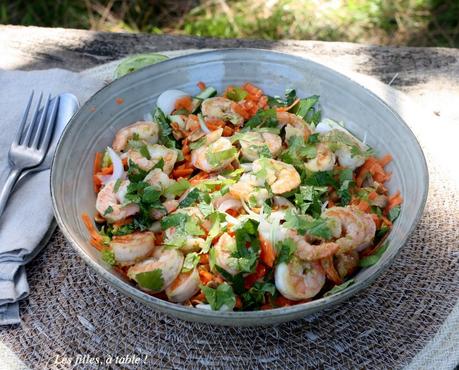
[[429, 75]]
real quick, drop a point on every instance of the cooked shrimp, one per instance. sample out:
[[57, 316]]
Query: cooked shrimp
[[159, 180], [252, 144], [347, 159], [358, 227], [168, 261], [214, 156], [224, 248], [298, 279], [184, 286], [311, 252], [131, 248], [324, 160], [295, 126], [281, 177], [221, 108], [169, 206], [156, 153], [109, 206], [145, 131], [248, 189]]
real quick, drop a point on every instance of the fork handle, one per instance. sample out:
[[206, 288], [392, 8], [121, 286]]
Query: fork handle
[[8, 187]]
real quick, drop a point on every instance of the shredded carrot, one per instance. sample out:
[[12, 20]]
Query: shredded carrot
[[205, 276], [125, 162], [159, 238], [197, 178], [266, 306], [286, 109], [238, 302], [386, 221], [281, 301], [184, 103], [214, 124], [181, 172], [240, 110], [96, 168], [232, 212], [228, 131], [199, 297], [201, 85], [373, 195], [185, 148], [97, 183], [251, 279], [251, 89], [204, 259], [394, 201], [107, 170], [384, 161], [96, 238], [373, 167], [267, 254]]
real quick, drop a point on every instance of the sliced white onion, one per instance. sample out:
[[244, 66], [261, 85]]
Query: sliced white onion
[[251, 213], [203, 125], [229, 204], [166, 101], [282, 202], [327, 125], [118, 168], [247, 167]]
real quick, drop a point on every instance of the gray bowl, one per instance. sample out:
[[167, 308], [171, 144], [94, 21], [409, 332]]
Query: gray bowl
[[342, 99]]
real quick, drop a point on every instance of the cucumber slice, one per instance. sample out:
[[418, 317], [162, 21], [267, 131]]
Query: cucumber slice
[[205, 94]]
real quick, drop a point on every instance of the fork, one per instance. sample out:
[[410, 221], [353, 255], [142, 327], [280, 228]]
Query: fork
[[29, 146]]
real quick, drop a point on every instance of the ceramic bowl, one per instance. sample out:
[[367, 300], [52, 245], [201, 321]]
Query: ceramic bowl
[[94, 126]]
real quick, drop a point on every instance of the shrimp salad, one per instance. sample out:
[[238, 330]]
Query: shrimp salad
[[240, 201]]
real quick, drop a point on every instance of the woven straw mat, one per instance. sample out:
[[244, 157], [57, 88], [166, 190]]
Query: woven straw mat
[[71, 311]]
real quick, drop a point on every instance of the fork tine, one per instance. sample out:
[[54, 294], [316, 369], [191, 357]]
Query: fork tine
[[44, 112], [50, 126], [26, 138], [24, 119]]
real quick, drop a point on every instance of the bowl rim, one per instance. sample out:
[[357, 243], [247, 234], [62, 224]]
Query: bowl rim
[[240, 316]]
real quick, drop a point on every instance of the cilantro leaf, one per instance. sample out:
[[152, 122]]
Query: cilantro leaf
[[108, 210], [285, 250], [236, 94], [339, 288], [222, 295], [161, 119], [394, 213], [135, 173], [308, 109], [190, 262], [321, 178], [144, 152], [150, 195], [255, 296], [190, 198], [108, 257], [152, 280], [247, 246], [215, 158], [263, 118], [198, 143], [374, 258], [173, 220], [177, 188], [307, 225], [309, 199]]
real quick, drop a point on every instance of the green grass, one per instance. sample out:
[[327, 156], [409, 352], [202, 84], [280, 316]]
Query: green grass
[[399, 22]]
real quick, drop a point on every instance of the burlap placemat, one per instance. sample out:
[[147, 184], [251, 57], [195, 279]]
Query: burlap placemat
[[408, 317]]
